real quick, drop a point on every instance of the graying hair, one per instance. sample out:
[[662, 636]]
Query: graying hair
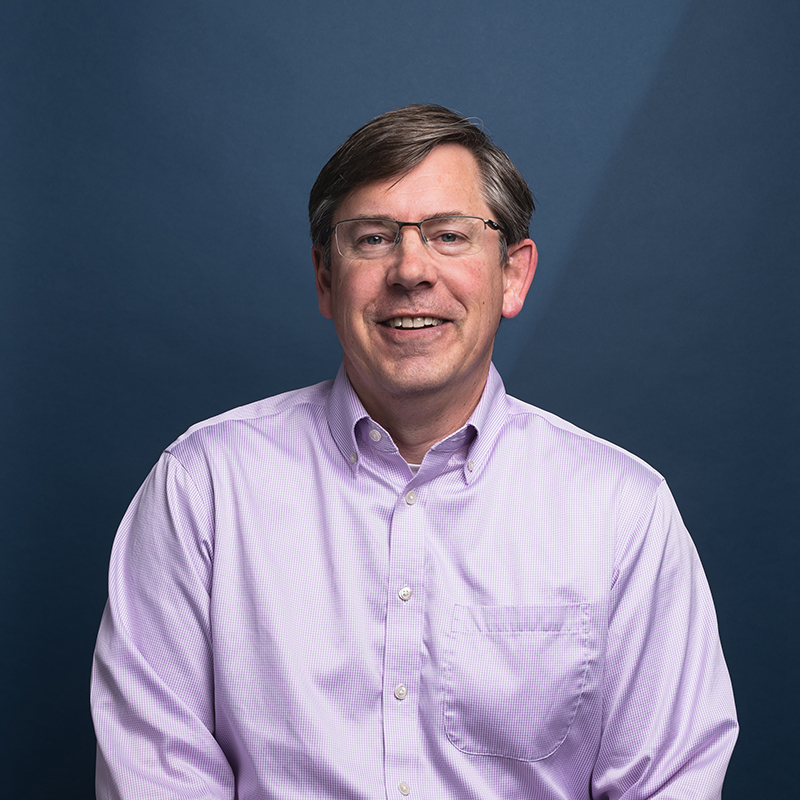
[[394, 143]]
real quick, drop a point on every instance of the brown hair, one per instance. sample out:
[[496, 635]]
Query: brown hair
[[396, 142]]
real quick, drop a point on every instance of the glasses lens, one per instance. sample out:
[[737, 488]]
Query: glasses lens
[[366, 238], [454, 236], [376, 238]]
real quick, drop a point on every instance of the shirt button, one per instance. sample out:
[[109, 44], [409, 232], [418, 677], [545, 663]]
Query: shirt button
[[375, 435], [470, 465], [353, 458], [401, 692], [405, 593], [405, 789], [411, 497]]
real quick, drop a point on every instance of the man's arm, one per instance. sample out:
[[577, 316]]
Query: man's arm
[[152, 680], [668, 714]]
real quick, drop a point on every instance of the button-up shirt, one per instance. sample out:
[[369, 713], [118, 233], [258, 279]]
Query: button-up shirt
[[294, 614]]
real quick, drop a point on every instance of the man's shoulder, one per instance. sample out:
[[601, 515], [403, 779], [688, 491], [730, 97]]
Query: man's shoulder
[[270, 412], [568, 442]]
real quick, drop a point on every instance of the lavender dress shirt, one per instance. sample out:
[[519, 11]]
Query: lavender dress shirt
[[292, 614]]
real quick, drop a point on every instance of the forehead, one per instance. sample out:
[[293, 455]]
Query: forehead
[[446, 181]]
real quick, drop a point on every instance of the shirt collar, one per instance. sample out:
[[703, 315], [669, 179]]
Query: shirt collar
[[344, 412], [487, 420]]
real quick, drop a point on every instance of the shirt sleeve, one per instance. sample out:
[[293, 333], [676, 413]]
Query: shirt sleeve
[[152, 678], [669, 723]]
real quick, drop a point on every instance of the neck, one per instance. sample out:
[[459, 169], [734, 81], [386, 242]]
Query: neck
[[416, 422]]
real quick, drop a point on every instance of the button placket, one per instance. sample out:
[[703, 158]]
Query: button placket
[[404, 630]]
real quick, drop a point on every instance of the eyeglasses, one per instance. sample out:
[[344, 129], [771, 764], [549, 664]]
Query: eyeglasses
[[376, 238]]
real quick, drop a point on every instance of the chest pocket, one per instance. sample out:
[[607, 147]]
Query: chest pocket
[[515, 678]]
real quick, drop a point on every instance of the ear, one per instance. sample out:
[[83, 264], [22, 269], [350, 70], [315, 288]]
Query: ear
[[323, 282], [517, 276]]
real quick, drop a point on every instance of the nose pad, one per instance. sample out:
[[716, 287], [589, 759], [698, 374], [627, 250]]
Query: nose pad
[[417, 225]]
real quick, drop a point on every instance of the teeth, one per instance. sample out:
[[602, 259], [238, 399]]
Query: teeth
[[414, 322]]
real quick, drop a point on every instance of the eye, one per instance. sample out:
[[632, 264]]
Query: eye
[[445, 231], [449, 237], [365, 238], [373, 240], [371, 232], [454, 236]]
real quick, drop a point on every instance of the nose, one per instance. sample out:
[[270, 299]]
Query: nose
[[412, 263]]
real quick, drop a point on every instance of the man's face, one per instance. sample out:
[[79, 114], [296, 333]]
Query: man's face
[[465, 296]]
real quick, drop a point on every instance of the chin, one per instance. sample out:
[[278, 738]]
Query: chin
[[418, 383]]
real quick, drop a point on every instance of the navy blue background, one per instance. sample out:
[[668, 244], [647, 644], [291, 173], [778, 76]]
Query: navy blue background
[[155, 161]]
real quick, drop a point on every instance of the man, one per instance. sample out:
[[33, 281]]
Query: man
[[404, 582]]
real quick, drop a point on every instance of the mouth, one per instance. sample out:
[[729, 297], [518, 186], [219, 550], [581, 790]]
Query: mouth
[[413, 322]]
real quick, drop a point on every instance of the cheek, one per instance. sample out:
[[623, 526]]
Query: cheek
[[347, 304], [482, 290], [353, 292]]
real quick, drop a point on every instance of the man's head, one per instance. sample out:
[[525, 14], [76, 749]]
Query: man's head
[[393, 144], [416, 307]]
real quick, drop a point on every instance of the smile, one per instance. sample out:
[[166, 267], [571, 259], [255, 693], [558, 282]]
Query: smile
[[413, 322]]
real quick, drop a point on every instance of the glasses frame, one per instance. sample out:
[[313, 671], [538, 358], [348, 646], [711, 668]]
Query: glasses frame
[[487, 223]]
